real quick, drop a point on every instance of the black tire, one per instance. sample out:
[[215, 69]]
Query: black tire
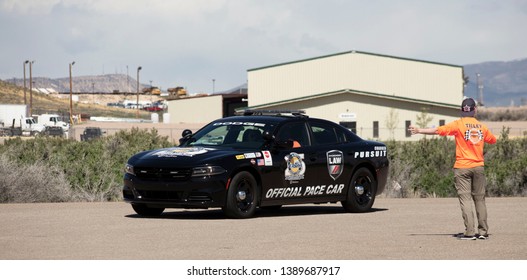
[[144, 210], [242, 196], [361, 192]]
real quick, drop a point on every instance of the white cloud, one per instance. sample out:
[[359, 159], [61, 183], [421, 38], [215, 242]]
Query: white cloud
[[192, 42]]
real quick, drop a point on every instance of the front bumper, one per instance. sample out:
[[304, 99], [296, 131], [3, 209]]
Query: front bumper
[[199, 192]]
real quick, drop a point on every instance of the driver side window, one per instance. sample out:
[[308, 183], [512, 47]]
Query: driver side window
[[294, 132]]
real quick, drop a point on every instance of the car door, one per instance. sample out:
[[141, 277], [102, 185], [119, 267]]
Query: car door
[[328, 156], [294, 176]]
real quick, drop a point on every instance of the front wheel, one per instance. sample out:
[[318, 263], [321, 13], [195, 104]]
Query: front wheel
[[242, 196], [144, 210], [361, 191]]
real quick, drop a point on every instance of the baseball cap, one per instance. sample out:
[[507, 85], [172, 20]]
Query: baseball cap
[[468, 107]]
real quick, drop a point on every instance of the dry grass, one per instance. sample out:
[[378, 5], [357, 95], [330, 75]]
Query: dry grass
[[43, 103]]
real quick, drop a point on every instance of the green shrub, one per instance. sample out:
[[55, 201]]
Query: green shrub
[[424, 168], [93, 169], [56, 170]]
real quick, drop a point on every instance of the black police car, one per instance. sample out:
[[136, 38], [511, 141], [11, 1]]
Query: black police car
[[260, 159]]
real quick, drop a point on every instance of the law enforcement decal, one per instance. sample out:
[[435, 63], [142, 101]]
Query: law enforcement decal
[[335, 163], [295, 167]]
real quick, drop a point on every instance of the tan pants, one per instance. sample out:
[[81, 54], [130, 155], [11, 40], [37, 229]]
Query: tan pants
[[470, 186]]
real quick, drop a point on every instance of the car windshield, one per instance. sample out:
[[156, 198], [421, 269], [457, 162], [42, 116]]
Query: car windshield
[[231, 134]]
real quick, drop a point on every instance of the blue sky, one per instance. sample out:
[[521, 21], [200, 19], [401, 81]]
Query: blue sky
[[191, 43]]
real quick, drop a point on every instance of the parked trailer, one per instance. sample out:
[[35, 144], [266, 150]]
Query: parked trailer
[[14, 121]]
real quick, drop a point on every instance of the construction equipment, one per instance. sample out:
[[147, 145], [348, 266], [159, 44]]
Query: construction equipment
[[177, 92]]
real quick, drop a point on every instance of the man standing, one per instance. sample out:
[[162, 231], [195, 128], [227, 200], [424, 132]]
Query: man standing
[[469, 173]]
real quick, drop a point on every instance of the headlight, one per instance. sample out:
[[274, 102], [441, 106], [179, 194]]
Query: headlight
[[207, 171], [129, 169]]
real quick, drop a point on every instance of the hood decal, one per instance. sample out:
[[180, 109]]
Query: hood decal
[[181, 152]]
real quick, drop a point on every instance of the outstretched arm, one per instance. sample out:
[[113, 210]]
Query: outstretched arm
[[429, 131]]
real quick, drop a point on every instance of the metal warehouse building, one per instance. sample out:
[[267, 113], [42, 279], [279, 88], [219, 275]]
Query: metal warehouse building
[[377, 96]]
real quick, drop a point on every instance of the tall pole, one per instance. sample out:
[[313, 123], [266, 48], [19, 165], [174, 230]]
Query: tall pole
[[137, 102], [71, 96], [31, 87], [25, 87], [480, 90], [213, 85]]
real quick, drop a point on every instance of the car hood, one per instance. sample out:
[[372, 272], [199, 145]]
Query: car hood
[[182, 156]]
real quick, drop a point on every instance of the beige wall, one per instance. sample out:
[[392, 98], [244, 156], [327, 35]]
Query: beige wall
[[196, 109], [364, 110], [357, 71]]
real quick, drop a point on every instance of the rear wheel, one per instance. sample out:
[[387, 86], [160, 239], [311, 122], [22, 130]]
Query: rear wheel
[[144, 210], [242, 196], [361, 191]]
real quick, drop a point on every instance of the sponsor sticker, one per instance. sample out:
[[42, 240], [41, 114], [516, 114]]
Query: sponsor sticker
[[238, 157], [335, 160], [268, 159]]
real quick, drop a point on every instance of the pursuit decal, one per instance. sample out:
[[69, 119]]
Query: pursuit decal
[[305, 191], [378, 151], [335, 163]]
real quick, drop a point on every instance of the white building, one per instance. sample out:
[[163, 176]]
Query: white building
[[377, 96]]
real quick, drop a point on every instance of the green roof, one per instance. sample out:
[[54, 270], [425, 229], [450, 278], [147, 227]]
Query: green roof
[[349, 52]]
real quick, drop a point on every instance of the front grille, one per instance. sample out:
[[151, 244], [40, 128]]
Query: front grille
[[199, 196], [156, 173], [160, 195]]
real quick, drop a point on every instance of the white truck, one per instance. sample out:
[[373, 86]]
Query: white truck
[[52, 122], [14, 121]]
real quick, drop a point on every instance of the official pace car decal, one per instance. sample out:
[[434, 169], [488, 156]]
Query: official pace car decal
[[378, 151], [335, 163], [295, 167], [185, 152], [305, 191]]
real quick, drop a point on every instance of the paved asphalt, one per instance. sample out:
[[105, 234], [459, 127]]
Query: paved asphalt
[[397, 229]]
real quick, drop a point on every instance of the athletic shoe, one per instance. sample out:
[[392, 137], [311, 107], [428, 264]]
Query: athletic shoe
[[467, 237], [483, 237]]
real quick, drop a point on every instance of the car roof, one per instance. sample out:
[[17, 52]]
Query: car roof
[[274, 116]]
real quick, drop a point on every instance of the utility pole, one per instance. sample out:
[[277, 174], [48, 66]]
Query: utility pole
[[71, 96], [480, 91], [31, 87], [137, 102], [25, 87]]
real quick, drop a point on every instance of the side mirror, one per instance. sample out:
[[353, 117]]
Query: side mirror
[[186, 133], [267, 136], [185, 136]]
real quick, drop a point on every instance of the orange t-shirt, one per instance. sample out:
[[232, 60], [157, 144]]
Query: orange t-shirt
[[470, 137]]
